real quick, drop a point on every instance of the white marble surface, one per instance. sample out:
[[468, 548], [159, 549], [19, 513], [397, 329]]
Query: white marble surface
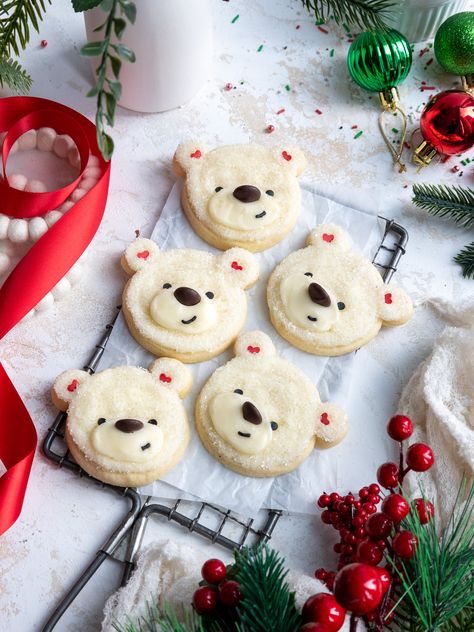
[[65, 519]]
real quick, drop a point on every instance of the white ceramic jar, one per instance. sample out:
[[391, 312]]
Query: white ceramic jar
[[419, 20], [172, 41]]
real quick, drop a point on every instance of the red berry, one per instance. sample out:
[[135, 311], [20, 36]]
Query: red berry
[[405, 544], [314, 627], [369, 552], [346, 548], [358, 588], [344, 508], [229, 593], [378, 525], [330, 580], [425, 510], [395, 507], [326, 516], [370, 508], [357, 522], [400, 428], [360, 533], [371, 616], [320, 574], [420, 457], [213, 571], [270, 128], [44, 43], [385, 578], [373, 498], [387, 475], [335, 497], [361, 513], [335, 517], [374, 488], [337, 548], [349, 499], [205, 599], [364, 492], [323, 608], [323, 501]]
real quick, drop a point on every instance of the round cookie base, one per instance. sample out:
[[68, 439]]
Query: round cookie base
[[123, 479]]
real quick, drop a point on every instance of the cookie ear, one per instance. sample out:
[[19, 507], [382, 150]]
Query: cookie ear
[[173, 374], [395, 307], [188, 153], [329, 236], [139, 255], [65, 387], [331, 425], [241, 266], [290, 158], [254, 344]]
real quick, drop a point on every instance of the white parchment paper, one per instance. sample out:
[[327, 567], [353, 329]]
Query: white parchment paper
[[200, 475]]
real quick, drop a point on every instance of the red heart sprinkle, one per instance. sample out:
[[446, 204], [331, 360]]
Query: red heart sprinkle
[[388, 298], [325, 419], [251, 349], [236, 266], [196, 154], [144, 254], [286, 155], [165, 378], [328, 238], [72, 386]]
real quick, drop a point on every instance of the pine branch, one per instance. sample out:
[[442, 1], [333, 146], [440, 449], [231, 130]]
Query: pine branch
[[465, 258], [444, 201], [267, 602], [14, 76], [364, 14], [16, 17], [164, 621]]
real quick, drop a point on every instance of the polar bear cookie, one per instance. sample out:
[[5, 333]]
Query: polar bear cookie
[[186, 304], [240, 195], [126, 426], [260, 415], [328, 299]]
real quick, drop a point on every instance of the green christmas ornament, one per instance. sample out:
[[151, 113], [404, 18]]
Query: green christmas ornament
[[378, 61], [454, 47]]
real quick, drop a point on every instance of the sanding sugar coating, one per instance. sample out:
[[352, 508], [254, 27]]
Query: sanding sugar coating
[[260, 415], [328, 299], [240, 195], [186, 304], [126, 426]]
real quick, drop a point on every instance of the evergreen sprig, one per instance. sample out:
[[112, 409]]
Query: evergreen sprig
[[166, 620], [437, 591], [14, 76], [452, 202], [109, 89], [364, 14]]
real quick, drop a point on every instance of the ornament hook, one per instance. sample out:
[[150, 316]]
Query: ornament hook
[[389, 101]]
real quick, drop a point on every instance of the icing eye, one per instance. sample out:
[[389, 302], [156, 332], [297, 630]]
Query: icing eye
[[153, 422], [239, 391], [341, 305], [310, 274], [270, 193], [101, 421], [166, 286], [274, 425], [210, 294], [217, 189]]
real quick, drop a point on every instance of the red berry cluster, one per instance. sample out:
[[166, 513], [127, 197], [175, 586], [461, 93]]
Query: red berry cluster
[[217, 591], [360, 585]]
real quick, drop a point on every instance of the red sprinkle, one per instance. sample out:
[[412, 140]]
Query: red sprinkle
[[407, 145], [165, 378], [236, 266], [388, 298], [72, 386], [286, 155], [44, 43], [320, 28], [429, 62], [281, 110], [325, 419], [318, 111], [353, 126], [228, 86], [427, 88], [270, 129], [251, 349], [196, 154], [423, 51]]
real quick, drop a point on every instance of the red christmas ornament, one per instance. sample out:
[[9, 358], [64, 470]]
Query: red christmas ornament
[[395, 507], [230, 594], [369, 552], [447, 126], [205, 600], [405, 544], [378, 526], [213, 571], [323, 608], [400, 428], [425, 510], [358, 588], [387, 475], [385, 578], [420, 457]]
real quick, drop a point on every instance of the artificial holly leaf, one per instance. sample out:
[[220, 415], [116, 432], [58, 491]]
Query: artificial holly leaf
[[84, 5]]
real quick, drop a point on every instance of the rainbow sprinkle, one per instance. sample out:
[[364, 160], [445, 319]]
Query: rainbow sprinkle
[[358, 134], [260, 48], [234, 19]]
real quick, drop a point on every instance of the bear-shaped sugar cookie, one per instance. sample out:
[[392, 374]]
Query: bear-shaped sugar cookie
[[328, 299], [126, 426], [260, 415], [240, 195], [186, 304]]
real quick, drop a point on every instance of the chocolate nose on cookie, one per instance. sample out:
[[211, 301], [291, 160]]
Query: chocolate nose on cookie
[[247, 193], [251, 413], [187, 296], [128, 425], [318, 295]]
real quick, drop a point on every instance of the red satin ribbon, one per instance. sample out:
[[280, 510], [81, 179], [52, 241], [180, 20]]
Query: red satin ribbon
[[46, 263]]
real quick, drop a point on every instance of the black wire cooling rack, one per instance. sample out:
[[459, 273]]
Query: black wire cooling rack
[[220, 526]]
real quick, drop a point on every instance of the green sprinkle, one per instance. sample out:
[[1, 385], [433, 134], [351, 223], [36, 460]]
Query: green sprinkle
[[288, 87], [466, 161], [394, 130], [235, 19], [358, 134], [260, 48], [331, 53], [319, 22], [345, 27]]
